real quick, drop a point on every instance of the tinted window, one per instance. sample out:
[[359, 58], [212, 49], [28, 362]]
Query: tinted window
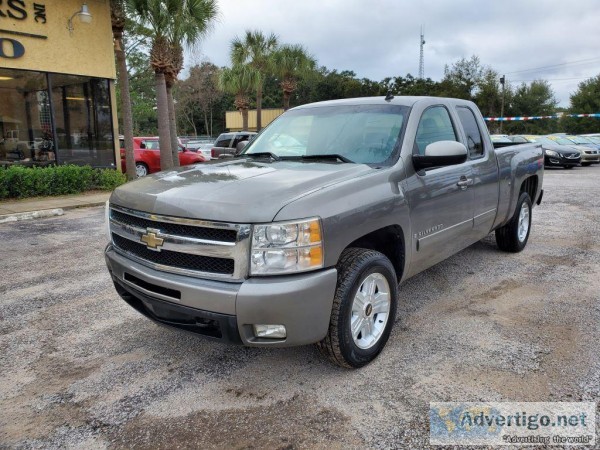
[[151, 145], [469, 123], [223, 140], [435, 125]]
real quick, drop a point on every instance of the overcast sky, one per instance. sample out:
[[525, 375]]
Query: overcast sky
[[380, 38]]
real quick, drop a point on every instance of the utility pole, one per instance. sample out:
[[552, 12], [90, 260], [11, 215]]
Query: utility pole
[[502, 82], [422, 58]]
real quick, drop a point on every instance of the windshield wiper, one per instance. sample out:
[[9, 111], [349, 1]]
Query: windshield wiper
[[328, 156], [261, 155]]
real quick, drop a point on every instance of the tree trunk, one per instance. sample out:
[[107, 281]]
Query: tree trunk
[[206, 123], [173, 125], [127, 115], [164, 135], [259, 93], [244, 119], [286, 100]]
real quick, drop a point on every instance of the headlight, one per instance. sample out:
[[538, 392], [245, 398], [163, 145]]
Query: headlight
[[107, 220], [552, 153], [286, 247]]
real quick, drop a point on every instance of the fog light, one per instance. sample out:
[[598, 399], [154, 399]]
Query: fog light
[[270, 331]]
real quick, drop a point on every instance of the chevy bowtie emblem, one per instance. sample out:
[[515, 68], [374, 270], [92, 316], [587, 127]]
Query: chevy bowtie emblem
[[151, 239]]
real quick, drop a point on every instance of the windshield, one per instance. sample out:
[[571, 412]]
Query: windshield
[[580, 140], [561, 140], [360, 133], [594, 139]]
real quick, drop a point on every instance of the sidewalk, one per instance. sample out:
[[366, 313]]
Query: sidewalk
[[12, 210]]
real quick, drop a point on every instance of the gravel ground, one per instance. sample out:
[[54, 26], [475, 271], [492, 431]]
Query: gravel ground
[[79, 368]]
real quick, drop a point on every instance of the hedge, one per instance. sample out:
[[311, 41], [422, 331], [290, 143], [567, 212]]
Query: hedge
[[22, 182]]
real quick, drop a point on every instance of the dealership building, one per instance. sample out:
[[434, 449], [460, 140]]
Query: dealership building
[[57, 93]]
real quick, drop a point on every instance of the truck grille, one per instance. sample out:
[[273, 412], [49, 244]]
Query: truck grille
[[199, 248], [211, 234], [175, 259]]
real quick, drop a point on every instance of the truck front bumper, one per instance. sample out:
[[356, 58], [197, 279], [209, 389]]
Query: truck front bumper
[[227, 311]]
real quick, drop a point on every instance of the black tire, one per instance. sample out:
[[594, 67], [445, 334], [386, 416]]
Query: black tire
[[586, 164], [354, 266], [140, 168], [568, 167], [507, 237]]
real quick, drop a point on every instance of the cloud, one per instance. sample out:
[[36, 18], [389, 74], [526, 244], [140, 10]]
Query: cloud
[[380, 38]]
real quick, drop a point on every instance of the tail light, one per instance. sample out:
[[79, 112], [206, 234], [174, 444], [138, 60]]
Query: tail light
[[213, 153]]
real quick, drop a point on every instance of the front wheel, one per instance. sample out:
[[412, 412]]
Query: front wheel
[[513, 236], [141, 169], [364, 308]]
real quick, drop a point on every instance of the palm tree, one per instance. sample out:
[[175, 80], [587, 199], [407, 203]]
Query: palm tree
[[290, 63], [117, 16], [240, 80], [191, 24], [256, 50], [173, 23]]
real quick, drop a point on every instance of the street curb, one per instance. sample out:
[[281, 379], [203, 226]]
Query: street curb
[[16, 217]]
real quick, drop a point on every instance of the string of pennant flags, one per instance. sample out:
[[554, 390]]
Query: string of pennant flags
[[556, 116]]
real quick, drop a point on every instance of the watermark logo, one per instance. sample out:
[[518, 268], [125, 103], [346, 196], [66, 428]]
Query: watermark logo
[[518, 423]]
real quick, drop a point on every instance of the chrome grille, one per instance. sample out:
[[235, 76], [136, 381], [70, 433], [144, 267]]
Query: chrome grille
[[175, 259], [192, 247], [211, 234], [571, 155]]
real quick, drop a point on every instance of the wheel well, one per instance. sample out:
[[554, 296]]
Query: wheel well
[[530, 186], [389, 241]]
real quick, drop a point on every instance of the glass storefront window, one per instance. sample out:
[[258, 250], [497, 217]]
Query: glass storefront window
[[55, 118]]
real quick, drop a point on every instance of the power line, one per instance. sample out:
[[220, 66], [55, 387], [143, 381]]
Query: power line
[[553, 79], [556, 65]]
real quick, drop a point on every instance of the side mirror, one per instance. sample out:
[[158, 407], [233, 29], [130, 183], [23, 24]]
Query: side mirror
[[240, 146], [441, 153]]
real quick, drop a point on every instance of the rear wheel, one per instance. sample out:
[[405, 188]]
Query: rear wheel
[[364, 308], [513, 236], [141, 169]]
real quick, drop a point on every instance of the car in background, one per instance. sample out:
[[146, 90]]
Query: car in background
[[555, 155], [201, 146], [146, 152], [226, 143], [589, 154]]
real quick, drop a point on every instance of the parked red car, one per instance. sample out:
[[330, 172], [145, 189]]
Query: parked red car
[[147, 155]]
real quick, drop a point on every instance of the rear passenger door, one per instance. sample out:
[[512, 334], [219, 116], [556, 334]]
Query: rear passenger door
[[441, 202], [484, 172]]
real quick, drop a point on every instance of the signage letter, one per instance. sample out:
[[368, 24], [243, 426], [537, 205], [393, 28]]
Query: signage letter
[[17, 48], [39, 12], [16, 9]]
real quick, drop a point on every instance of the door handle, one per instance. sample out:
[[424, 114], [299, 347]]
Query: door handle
[[465, 182]]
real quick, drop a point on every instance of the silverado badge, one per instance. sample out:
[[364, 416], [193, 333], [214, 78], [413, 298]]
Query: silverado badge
[[152, 240]]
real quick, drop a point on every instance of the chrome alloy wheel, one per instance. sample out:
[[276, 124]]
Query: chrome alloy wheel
[[523, 222], [370, 311], [140, 170]]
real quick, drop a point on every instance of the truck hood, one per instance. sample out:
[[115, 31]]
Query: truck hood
[[239, 191]]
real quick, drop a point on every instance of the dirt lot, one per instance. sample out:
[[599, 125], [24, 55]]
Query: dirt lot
[[80, 368]]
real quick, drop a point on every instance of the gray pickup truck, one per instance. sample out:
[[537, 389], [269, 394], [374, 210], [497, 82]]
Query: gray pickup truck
[[305, 236]]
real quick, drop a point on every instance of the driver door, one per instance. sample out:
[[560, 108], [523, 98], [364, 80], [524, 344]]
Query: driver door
[[441, 202]]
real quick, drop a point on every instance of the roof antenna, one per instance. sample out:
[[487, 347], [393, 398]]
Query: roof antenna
[[389, 96]]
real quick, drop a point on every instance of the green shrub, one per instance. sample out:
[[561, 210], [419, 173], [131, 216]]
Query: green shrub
[[108, 179], [22, 182]]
